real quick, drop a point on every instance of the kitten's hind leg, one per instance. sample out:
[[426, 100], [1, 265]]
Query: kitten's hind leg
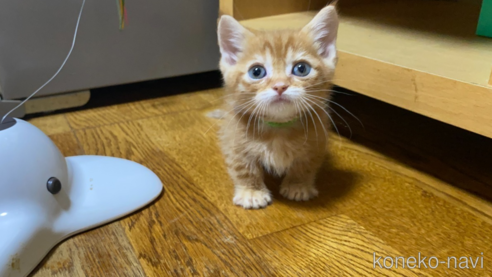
[[299, 182], [250, 191]]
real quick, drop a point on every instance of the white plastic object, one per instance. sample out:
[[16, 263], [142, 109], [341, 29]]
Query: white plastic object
[[94, 190]]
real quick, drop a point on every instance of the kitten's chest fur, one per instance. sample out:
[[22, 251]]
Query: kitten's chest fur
[[279, 153]]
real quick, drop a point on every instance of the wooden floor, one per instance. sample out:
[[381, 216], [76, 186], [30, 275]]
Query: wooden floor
[[400, 186]]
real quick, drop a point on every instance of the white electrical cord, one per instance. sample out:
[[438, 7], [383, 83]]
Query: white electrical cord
[[61, 67]]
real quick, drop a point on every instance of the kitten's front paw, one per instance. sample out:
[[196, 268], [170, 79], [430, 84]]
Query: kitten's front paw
[[298, 192], [251, 198]]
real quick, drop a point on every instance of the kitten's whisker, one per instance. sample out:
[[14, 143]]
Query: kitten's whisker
[[257, 120], [254, 115], [301, 108], [336, 80], [311, 89], [306, 106], [323, 109], [241, 106], [247, 111], [321, 121], [341, 92], [339, 80], [298, 111], [263, 114], [225, 113], [229, 95], [307, 122], [249, 121], [345, 109], [346, 123], [323, 82], [222, 97], [258, 117], [319, 83], [319, 118], [326, 97], [251, 103], [328, 90], [343, 119], [333, 110], [213, 125], [333, 102], [239, 120]]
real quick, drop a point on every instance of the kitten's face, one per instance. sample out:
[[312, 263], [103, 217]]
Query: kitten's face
[[278, 75]]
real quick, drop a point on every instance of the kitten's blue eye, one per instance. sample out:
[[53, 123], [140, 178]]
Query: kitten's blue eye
[[301, 69], [257, 72]]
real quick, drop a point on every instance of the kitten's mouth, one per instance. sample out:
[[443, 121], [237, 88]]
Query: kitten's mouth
[[280, 100]]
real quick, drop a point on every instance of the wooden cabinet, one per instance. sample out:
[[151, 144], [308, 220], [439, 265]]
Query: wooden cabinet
[[420, 55]]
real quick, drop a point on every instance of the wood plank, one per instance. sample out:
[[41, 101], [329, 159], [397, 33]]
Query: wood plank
[[85, 255], [336, 246], [182, 233], [417, 57], [66, 142], [52, 124], [142, 109], [461, 104]]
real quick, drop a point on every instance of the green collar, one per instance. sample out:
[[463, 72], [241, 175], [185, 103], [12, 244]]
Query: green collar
[[281, 124]]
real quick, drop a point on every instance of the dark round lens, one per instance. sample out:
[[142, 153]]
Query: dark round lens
[[54, 185]]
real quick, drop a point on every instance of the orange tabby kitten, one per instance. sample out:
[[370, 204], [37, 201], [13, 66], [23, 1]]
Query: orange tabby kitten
[[277, 84]]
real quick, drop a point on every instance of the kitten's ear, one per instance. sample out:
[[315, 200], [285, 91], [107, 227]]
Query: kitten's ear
[[323, 29], [231, 38]]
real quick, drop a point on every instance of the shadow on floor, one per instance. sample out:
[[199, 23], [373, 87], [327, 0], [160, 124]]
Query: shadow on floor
[[332, 183], [456, 156]]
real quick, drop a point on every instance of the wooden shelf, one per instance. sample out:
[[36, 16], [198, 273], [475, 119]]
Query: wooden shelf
[[423, 56]]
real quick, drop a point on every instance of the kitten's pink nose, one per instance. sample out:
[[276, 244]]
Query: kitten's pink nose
[[280, 88]]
